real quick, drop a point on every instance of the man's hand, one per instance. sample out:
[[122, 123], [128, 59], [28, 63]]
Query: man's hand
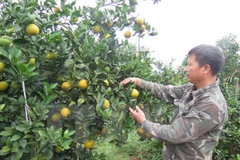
[[134, 80], [137, 114]]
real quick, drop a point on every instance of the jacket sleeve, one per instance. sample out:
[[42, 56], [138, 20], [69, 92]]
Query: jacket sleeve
[[187, 127], [164, 92]]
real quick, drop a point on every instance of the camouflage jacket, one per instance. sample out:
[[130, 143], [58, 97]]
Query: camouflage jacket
[[194, 131]]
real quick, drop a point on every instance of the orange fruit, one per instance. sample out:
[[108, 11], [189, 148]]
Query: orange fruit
[[89, 144], [97, 29], [110, 23], [32, 61], [50, 55], [127, 34], [141, 132], [57, 10], [55, 117], [106, 104], [58, 149], [141, 106], [139, 21], [65, 112], [1, 66], [83, 84], [32, 29], [66, 86], [148, 135], [14, 85], [134, 93], [104, 131], [106, 82], [3, 85], [142, 28], [107, 36]]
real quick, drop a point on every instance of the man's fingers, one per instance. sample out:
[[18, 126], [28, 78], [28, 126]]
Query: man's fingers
[[130, 109], [138, 109]]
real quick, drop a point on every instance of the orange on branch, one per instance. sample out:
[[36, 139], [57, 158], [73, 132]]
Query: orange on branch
[[65, 112], [127, 34], [32, 29], [3, 85], [83, 84], [134, 93], [66, 86]]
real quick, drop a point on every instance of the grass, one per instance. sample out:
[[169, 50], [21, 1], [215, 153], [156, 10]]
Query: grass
[[133, 149]]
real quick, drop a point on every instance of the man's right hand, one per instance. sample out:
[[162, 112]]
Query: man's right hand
[[134, 80]]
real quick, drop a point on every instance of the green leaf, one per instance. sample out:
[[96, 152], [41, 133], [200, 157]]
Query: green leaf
[[1, 107], [15, 137], [66, 143], [92, 66], [19, 153], [50, 98], [43, 134], [20, 41], [4, 151], [14, 55], [23, 143], [6, 133], [15, 147], [21, 127], [80, 101], [3, 52]]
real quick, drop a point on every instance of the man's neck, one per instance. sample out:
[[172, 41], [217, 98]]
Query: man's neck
[[206, 82]]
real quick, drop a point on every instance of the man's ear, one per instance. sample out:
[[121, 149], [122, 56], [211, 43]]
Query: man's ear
[[206, 68]]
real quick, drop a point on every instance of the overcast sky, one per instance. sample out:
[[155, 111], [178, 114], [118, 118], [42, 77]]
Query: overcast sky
[[183, 24]]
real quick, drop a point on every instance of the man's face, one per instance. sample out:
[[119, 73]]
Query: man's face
[[193, 71]]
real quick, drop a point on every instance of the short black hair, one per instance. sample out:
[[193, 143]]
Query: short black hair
[[208, 54]]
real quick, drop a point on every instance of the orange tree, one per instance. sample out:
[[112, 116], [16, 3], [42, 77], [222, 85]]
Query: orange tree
[[60, 70]]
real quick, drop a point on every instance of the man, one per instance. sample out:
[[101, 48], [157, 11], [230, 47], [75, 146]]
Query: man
[[201, 110]]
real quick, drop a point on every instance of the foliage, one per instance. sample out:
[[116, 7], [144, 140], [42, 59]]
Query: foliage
[[230, 87], [133, 148], [66, 48]]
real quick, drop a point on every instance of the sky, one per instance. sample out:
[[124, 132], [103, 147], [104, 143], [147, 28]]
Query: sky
[[183, 24]]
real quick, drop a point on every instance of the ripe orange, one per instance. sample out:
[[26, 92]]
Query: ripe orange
[[139, 21], [89, 144], [107, 69], [32, 61], [106, 82], [141, 106], [3, 85], [57, 10], [104, 131], [32, 29], [66, 86], [148, 135], [55, 117], [50, 55], [59, 79], [83, 84], [58, 149], [97, 29], [1, 66], [110, 23], [14, 85], [134, 93], [106, 104], [142, 28], [107, 36], [65, 112], [74, 20], [127, 34], [140, 132]]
